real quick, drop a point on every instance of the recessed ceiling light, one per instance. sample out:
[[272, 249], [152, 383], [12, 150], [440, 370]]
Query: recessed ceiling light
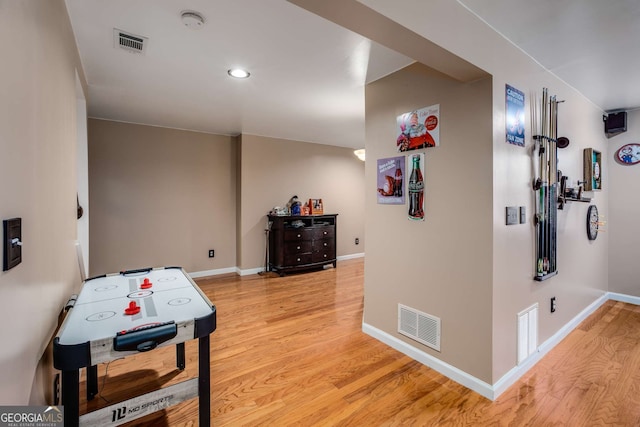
[[238, 73]]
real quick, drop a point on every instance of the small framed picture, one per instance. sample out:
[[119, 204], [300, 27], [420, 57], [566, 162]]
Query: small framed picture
[[316, 206]]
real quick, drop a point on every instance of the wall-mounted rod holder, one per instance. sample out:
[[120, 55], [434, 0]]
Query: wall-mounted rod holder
[[545, 187]]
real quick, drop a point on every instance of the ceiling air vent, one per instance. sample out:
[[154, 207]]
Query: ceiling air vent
[[129, 42]]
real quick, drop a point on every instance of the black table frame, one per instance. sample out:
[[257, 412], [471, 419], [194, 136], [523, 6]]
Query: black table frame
[[71, 358]]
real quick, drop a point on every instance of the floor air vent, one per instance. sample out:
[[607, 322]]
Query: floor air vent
[[129, 42], [419, 326]]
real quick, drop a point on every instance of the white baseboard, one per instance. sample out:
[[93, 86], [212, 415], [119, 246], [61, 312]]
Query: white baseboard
[[249, 271], [351, 256], [493, 391], [227, 270], [256, 270], [197, 274], [434, 363], [623, 298], [518, 371]]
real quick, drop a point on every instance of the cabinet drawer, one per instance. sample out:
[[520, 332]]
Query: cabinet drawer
[[297, 259], [294, 248], [323, 256], [323, 232], [298, 234], [323, 244]]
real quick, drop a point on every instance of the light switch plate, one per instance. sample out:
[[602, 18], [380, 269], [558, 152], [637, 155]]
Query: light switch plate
[[12, 250], [523, 214], [512, 215]]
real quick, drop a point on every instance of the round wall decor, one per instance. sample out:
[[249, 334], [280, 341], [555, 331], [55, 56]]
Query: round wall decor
[[592, 222], [628, 154]]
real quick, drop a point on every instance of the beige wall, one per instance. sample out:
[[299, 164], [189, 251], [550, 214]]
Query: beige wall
[[173, 193], [624, 214], [159, 197], [582, 265], [272, 170], [37, 169], [441, 266], [468, 282]]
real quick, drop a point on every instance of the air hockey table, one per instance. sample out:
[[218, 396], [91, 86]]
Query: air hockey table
[[121, 314]]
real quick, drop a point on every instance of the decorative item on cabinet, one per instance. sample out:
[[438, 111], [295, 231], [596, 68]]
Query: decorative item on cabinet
[[316, 206], [302, 242], [592, 169]]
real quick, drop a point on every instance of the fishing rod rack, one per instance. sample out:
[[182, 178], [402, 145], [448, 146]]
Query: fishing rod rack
[[545, 185]]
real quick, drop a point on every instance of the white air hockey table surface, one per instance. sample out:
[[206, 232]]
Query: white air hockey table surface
[[121, 314], [99, 310]]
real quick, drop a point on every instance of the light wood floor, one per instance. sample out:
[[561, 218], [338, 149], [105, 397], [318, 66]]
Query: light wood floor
[[290, 351]]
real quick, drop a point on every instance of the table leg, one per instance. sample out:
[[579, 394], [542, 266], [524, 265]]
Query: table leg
[[70, 397], [180, 360], [92, 381], [204, 382]]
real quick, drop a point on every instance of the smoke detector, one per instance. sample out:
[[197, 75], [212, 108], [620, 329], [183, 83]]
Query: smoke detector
[[192, 19]]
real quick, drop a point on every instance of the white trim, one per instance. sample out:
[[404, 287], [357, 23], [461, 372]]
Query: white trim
[[197, 274], [436, 364], [256, 270], [623, 298], [517, 372], [249, 271], [493, 391], [351, 256]]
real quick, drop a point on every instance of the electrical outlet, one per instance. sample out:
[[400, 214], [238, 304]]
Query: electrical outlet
[[357, 241], [211, 253], [553, 304]]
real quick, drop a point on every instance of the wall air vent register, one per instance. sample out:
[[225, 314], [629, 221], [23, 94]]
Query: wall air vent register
[[419, 326]]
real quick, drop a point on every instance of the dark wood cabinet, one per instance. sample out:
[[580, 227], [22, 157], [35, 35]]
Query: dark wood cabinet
[[301, 242]]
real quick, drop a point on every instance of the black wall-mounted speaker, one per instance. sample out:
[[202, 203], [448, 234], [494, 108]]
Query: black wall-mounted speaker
[[615, 123]]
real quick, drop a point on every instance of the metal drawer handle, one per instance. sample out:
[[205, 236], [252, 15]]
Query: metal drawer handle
[[298, 247], [298, 259], [325, 244], [324, 232], [298, 235], [325, 255]]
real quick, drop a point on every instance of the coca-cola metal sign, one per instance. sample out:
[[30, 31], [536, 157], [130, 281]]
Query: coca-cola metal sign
[[418, 129]]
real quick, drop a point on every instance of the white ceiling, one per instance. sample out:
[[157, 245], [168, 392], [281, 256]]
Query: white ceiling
[[308, 74], [593, 45]]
